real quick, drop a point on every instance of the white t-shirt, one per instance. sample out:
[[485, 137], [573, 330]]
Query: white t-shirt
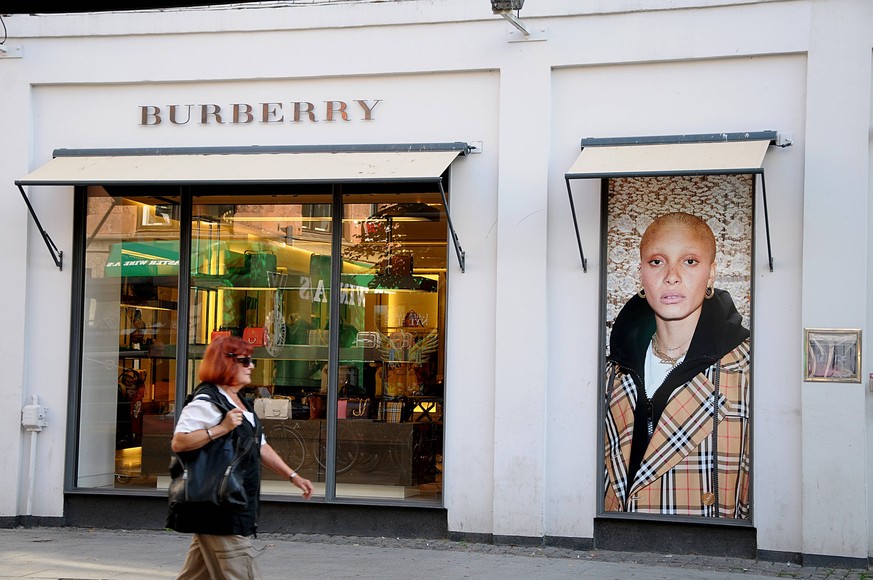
[[200, 413], [656, 371]]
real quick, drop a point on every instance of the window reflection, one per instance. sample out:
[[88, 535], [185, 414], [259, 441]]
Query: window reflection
[[128, 365]]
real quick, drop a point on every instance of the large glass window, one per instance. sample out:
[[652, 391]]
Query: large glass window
[[390, 399], [262, 267], [129, 335]]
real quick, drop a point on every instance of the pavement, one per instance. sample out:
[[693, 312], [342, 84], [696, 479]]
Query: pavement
[[61, 553]]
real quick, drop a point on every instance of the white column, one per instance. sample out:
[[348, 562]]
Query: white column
[[521, 305], [835, 257]]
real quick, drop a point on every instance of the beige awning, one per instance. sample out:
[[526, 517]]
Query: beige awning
[[669, 159], [421, 163], [205, 168], [707, 154]]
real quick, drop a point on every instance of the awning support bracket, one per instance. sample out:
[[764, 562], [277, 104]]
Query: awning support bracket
[[458, 250], [576, 226], [766, 224], [57, 255], [766, 221]]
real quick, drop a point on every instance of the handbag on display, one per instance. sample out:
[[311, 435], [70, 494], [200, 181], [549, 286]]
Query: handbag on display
[[317, 406], [272, 408], [218, 334], [358, 408], [368, 339], [391, 411], [257, 266], [353, 408], [255, 335]]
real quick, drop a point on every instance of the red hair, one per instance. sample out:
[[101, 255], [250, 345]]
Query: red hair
[[219, 360]]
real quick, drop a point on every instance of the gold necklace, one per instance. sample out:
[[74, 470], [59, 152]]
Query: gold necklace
[[664, 357]]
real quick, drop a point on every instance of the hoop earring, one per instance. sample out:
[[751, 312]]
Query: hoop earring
[[710, 292], [642, 293]]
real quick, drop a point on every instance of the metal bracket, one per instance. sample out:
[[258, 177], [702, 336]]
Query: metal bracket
[[458, 250], [766, 221], [576, 226], [57, 255], [515, 21]]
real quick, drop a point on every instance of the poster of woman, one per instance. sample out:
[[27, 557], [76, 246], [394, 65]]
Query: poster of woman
[[676, 412]]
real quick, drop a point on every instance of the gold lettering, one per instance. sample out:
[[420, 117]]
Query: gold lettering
[[246, 111], [173, 109], [207, 111], [336, 107], [309, 109], [368, 110], [271, 113], [151, 115]]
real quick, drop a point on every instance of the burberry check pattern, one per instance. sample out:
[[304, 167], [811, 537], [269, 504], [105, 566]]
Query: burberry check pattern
[[676, 473], [390, 411]]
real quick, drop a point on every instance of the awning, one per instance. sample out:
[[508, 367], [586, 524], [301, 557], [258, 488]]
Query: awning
[[400, 163], [672, 159], [182, 169], [672, 155]]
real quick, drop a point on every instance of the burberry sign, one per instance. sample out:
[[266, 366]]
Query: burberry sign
[[272, 112]]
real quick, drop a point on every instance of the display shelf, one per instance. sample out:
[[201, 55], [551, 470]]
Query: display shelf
[[151, 304], [303, 352]]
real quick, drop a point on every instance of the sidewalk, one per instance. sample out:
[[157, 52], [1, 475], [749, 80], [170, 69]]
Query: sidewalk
[[91, 554]]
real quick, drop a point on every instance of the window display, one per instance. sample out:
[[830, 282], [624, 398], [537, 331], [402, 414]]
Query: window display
[[262, 268]]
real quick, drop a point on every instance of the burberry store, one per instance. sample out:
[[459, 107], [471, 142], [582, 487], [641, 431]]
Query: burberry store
[[447, 257]]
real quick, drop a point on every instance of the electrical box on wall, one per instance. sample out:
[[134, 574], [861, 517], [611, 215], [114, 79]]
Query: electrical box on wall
[[33, 417]]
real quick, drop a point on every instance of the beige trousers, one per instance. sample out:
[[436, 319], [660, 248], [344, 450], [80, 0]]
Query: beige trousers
[[220, 558]]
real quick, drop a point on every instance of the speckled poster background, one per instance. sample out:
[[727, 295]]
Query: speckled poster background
[[723, 201]]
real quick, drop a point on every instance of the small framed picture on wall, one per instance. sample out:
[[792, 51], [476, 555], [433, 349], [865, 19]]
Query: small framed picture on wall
[[832, 355]]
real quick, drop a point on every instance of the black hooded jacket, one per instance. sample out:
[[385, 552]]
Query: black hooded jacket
[[719, 330]]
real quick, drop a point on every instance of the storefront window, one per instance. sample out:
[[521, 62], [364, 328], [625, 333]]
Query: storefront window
[[390, 403], [262, 270], [129, 335]]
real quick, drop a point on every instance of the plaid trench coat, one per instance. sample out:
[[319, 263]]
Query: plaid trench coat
[[696, 463]]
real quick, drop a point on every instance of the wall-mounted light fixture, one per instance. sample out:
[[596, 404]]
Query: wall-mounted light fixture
[[501, 5]]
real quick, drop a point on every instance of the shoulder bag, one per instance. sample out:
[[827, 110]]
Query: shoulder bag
[[208, 474]]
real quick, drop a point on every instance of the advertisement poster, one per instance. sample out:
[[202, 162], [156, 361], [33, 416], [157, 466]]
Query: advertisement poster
[[677, 314]]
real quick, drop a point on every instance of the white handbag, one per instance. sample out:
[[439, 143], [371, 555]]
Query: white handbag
[[273, 408]]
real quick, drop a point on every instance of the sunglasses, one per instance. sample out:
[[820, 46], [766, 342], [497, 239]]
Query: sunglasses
[[243, 360]]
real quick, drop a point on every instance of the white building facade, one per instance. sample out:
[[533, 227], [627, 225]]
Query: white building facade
[[518, 454]]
